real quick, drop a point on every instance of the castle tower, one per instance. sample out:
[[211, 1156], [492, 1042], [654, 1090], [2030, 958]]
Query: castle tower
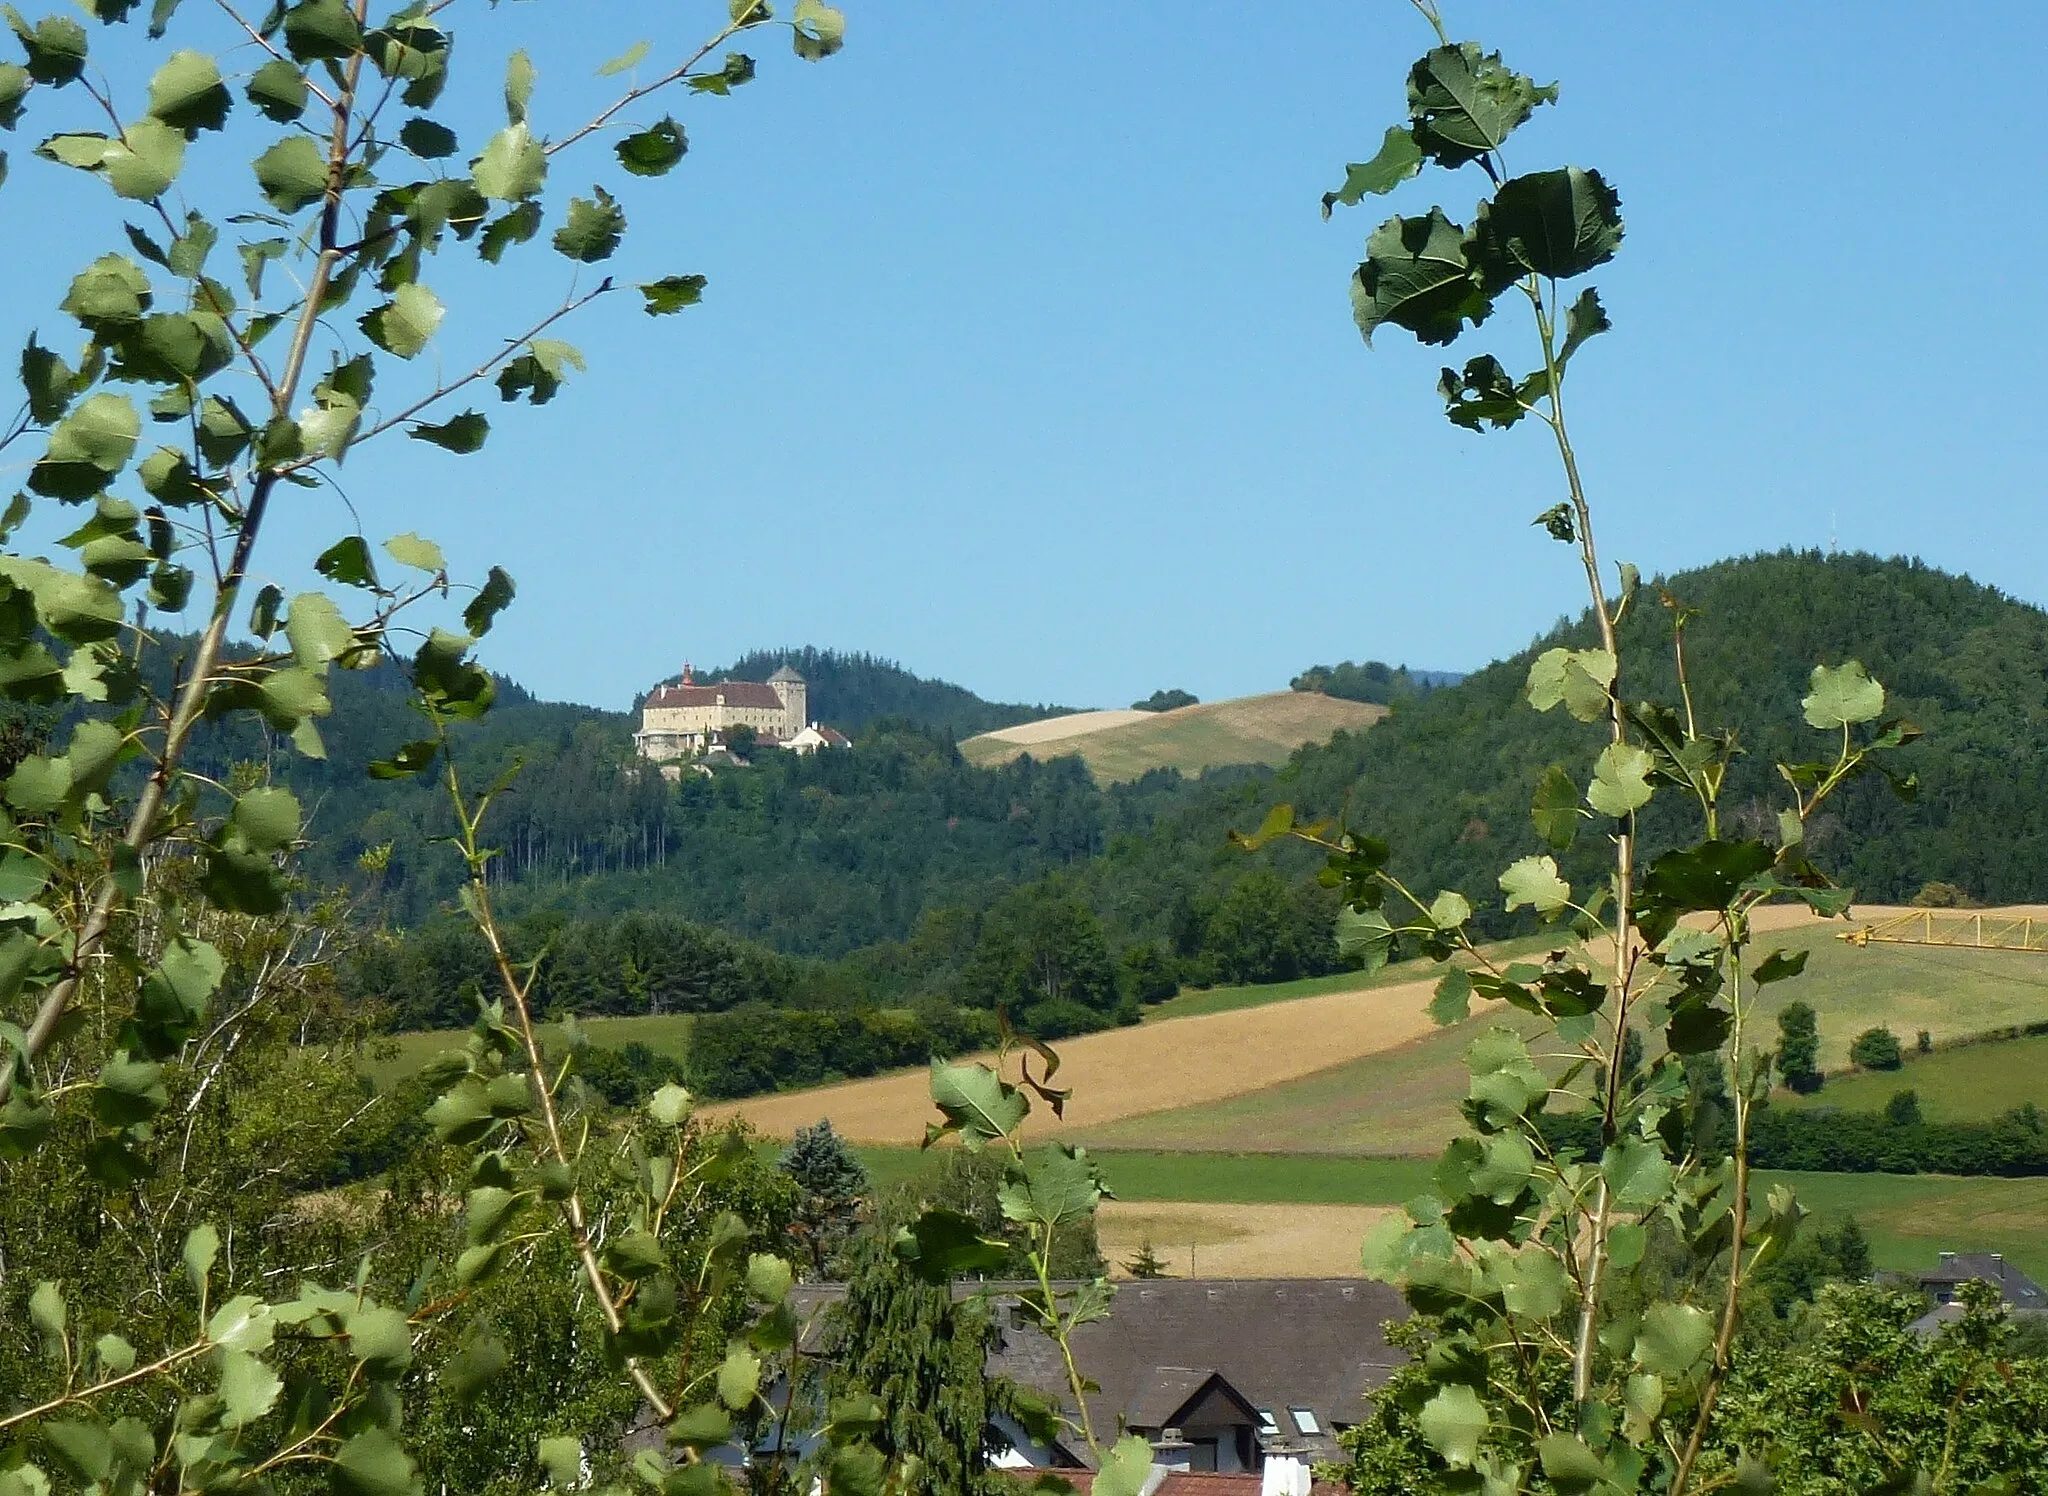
[[795, 694]]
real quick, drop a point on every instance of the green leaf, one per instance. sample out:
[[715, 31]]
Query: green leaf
[[1534, 1284], [491, 599], [1557, 223], [1125, 1469], [426, 138], [129, 1091], [1056, 1188], [55, 47], [380, 1341], [817, 30], [1453, 1001], [48, 1312], [292, 173], [1839, 696], [1450, 910], [174, 998], [1416, 275], [406, 323], [1704, 877], [108, 293], [114, 1355], [82, 1446], [201, 1247], [1366, 935], [941, 1245], [514, 226], [87, 448], [481, 1360], [519, 76], [321, 29], [417, 552], [267, 818], [737, 69], [768, 1278], [672, 293], [143, 163], [976, 1102], [373, 1464], [512, 167], [1779, 965], [630, 58], [1398, 159], [1571, 1466], [1621, 780], [1580, 679], [1534, 881], [248, 1389], [1452, 1423], [1555, 809], [1585, 319], [1464, 102], [47, 380], [1673, 1340], [739, 1378], [1637, 1173], [703, 1427], [187, 93], [348, 561], [594, 229], [652, 152], [278, 90]]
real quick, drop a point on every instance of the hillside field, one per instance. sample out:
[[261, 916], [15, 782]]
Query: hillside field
[[1359, 1067], [393, 1057], [1970, 1083], [1123, 745], [1909, 1217]]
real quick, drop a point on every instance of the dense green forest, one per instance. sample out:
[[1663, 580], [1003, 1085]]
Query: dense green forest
[[897, 874], [849, 691]]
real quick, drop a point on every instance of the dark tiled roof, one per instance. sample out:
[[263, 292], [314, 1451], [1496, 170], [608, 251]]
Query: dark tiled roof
[[745, 693], [1279, 1343], [2016, 1287], [1190, 1483]]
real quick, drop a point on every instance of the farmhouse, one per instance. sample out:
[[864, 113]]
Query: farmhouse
[[686, 720], [1223, 1377]]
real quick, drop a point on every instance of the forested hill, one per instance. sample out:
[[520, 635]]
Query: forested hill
[[1447, 779], [826, 855], [848, 691], [815, 856]]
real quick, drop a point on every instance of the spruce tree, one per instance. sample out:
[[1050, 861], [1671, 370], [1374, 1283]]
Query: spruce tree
[[833, 1184]]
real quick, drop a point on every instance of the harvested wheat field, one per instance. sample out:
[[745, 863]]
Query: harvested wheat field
[[1262, 729], [1237, 1241], [1128, 1071], [1189, 1062]]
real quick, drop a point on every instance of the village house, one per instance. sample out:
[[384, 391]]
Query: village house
[[2022, 1296], [687, 721], [1244, 1383]]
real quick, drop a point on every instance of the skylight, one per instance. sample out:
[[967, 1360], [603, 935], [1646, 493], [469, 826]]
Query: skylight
[[1268, 1426], [1305, 1420]]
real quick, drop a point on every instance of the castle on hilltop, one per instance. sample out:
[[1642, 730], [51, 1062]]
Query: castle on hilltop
[[688, 720]]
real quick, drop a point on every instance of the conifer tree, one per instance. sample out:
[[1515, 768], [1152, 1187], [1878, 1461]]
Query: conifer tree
[[1799, 1047], [833, 1184], [922, 1353]]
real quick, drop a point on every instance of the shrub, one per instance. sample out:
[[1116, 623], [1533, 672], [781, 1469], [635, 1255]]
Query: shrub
[[1877, 1049], [1799, 1047]]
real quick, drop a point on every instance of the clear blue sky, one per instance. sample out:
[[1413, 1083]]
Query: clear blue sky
[[1026, 357]]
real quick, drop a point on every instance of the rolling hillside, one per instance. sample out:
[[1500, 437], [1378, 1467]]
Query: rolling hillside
[[1361, 1070], [1122, 745]]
